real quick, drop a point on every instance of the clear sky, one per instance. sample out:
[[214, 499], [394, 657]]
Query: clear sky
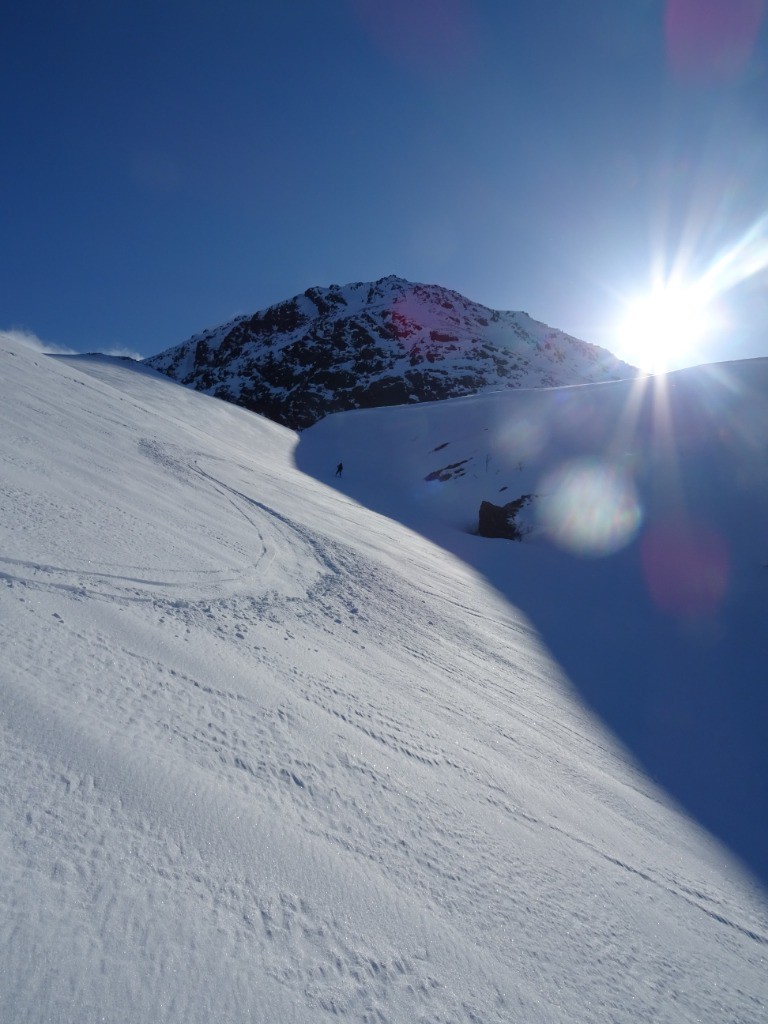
[[168, 165]]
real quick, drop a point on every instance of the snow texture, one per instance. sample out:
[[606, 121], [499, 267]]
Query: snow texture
[[270, 755], [646, 564]]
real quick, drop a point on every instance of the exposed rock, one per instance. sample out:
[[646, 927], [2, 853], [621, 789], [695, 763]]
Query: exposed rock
[[389, 342], [499, 520]]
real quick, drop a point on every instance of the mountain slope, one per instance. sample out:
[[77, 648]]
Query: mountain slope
[[266, 755], [645, 565], [370, 344]]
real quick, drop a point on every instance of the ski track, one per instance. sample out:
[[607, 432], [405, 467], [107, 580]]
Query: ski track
[[237, 738]]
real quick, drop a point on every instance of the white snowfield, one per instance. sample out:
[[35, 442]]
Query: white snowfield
[[269, 756]]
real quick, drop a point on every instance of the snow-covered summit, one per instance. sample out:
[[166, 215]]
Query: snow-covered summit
[[388, 342]]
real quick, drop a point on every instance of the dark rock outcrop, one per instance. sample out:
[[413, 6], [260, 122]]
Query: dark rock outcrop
[[500, 520], [389, 342]]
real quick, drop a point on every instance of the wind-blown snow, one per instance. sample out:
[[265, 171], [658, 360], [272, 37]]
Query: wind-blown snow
[[268, 755]]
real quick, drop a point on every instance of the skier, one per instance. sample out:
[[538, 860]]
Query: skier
[[339, 469]]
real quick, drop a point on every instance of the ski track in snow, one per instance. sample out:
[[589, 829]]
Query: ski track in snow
[[318, 782]]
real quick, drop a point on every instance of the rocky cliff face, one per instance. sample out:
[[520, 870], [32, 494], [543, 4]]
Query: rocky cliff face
[[389, 342]]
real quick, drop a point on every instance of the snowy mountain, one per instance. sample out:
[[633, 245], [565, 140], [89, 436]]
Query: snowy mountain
[[267, 754], [390, 342]]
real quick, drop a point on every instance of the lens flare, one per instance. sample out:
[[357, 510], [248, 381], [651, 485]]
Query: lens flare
[[521, 435], [686, 568], [711, 41], [432, 38], [589, 507]]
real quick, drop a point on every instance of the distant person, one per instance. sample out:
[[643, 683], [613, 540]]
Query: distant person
[[340, 469]]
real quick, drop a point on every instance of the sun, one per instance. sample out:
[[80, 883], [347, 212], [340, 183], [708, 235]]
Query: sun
[[663, 328]]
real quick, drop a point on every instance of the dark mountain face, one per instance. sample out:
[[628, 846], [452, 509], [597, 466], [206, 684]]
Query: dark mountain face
[[389, 342]]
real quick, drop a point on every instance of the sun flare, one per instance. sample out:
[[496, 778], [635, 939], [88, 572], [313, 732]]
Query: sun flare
[[664, 326]]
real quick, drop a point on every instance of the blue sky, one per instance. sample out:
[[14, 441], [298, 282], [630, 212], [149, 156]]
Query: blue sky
[[169, 165]]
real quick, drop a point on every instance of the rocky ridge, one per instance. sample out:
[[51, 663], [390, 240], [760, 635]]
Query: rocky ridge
[[388, 342]]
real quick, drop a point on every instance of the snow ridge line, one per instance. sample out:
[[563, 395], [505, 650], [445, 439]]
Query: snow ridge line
[[673, 890]]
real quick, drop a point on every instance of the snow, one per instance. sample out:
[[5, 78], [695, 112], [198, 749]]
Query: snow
[[657, 490], [269, 754], [421, 339]]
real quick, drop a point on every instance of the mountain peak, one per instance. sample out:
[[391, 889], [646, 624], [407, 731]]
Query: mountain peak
[[385, 342]]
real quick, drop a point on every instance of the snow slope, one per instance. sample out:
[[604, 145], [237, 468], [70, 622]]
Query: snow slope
[[268, 755], [645, 569]]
